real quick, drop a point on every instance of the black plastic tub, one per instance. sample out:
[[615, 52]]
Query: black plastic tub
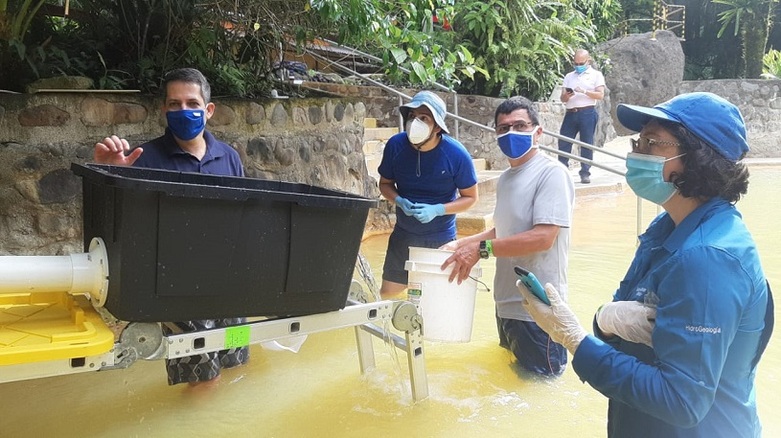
[[185, 246]]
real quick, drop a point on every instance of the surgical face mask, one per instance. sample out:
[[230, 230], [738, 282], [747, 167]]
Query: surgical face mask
[[580, 68], [418, 131], [186, 124], [645, 176], [516, 144]]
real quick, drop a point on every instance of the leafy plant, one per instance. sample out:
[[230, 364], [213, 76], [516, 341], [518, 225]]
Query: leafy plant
[[15, 21], [772, 64], [526, 44], [496, 48], [752, 20], [402, 34]]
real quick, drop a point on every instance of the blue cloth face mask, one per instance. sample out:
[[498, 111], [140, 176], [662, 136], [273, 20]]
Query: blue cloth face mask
[[515, 144], [186, 124], [645, 176], [580, 68]]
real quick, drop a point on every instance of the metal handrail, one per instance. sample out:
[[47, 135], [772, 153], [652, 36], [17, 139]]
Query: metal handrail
[[488, 128], [581, 159], [378, 59], [437, 85]]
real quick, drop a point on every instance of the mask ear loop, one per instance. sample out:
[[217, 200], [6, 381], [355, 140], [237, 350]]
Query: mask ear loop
[[675, 178]]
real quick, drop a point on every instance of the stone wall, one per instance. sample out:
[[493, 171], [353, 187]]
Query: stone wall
[[312, 141], [315, 141], [480, 142], [759, 101]]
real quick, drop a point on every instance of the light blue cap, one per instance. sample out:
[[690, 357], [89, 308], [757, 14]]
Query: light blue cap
[[433, 102]]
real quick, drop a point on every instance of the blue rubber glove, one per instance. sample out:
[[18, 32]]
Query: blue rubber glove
[[426, 213], [405, 205]]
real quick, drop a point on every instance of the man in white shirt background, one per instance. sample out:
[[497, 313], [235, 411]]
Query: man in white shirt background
[[580, 92]]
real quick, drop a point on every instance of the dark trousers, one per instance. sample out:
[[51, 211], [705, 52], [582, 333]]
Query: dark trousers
[[398, 253], [532, 347], [583, 122]]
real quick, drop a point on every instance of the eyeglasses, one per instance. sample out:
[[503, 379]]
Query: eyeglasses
[[518, 126], [643, 145], [580, 63]]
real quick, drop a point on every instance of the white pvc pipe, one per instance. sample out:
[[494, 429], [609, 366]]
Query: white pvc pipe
[[74, 274], [35, 274]]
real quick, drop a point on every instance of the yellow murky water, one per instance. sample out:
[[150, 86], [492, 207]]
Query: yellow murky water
[[474, 388]]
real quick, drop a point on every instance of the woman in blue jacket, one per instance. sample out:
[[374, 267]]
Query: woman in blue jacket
[[676, 351]]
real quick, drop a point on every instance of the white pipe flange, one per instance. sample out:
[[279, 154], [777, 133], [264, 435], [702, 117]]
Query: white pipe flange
[[99, 258]]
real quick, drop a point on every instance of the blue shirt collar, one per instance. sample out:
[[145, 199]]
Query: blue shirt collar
[[679, 234], [172, 147]]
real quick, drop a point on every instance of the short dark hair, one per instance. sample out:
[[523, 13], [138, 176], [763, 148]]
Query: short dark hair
[[706, 173], [191, 76], [516, 103]]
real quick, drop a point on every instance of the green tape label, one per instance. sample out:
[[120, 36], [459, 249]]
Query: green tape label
[[237, 336]]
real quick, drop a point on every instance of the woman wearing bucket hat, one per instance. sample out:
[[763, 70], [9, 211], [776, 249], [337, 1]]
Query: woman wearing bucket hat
[[677, 349], [430, 177]]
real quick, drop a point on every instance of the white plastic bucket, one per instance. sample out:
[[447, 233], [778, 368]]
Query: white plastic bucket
[[448, 309]]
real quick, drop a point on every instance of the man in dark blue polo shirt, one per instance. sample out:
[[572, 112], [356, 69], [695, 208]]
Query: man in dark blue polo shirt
[[186, 146]]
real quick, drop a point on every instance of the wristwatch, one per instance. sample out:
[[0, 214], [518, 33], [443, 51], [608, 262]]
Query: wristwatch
[[485, 249]]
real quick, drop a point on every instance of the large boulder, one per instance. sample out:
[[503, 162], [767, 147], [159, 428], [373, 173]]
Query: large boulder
[[646, 69]]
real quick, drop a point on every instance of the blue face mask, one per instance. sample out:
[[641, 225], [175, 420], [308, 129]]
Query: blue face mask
[[186, 124], [515, 144], [580, 68], [645, 175]]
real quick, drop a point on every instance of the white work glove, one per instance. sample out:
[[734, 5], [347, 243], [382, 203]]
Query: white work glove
[[630, 320], [557, 320]]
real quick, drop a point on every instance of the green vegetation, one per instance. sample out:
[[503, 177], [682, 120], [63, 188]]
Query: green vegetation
[[527, 45], [772, 64], [14, 24], [752, 20], [488, 47]]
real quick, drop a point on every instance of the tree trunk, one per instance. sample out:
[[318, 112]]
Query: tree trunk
[[755, 30], [10, 70]]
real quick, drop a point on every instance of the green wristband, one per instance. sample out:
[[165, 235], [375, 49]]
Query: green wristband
[[489, 247]]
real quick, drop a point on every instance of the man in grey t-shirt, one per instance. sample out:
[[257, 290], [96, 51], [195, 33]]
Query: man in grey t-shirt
[[533, 216]]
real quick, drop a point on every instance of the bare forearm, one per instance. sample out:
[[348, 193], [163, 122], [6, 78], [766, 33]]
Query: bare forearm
[[596, 95], [525, 243], [460, 204], [388, 190]]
